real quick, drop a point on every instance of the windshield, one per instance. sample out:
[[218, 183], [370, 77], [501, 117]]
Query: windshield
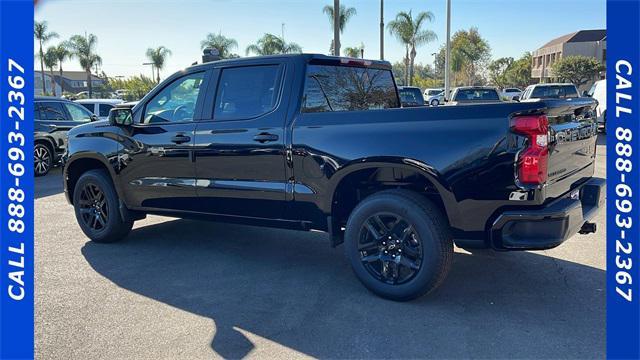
[[554, 91], [476, 95], [411, 96]]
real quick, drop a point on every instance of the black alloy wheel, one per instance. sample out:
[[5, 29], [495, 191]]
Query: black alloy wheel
[[93, 207], [390, 248]]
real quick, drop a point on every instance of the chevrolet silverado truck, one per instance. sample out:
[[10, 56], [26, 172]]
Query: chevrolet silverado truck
[[313, 142]]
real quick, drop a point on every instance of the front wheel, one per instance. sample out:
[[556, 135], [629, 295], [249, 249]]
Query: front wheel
[[42, 160], [399, 244], [435, 102], [97, 208]]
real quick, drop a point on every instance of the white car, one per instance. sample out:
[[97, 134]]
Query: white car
[[100, 107], [511, 93], [599, 92], [433, 97]]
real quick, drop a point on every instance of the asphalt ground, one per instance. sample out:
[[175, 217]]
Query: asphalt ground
[[189, 289]]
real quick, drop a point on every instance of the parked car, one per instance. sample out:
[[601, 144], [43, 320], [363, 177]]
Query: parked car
[[468, 95], [53, 117], [549, 91], [410, 96], [436, 100], [100, 107], [599, 92], [227, 141], [511, 93], [434, 97]]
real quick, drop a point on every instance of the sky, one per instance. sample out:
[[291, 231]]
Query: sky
[[125, 29]]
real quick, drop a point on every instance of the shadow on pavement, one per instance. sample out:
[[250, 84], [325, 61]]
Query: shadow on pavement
[[293, 289], [50, 184]]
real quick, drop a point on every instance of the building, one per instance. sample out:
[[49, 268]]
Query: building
[[37, 85], [590, 43], [72, 82]]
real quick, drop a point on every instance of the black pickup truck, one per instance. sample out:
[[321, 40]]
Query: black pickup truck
[[313, 142]]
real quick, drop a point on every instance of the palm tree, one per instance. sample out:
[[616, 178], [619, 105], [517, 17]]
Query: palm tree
[[354, 52], [50, 60], [409, 32], [344, 15], [157, 57], [62, 53], [223, 44], [270, 44], [83, 48], [42, 35]]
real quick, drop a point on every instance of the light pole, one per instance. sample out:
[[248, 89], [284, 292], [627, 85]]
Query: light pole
[[336, 27], [381, 29], [152, 74], [447, 59]]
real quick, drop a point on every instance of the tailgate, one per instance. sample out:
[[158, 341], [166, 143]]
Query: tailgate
[[572, 143]]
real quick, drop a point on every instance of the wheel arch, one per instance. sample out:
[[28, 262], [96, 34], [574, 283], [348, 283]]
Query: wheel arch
[[363, 177], [79, 164]]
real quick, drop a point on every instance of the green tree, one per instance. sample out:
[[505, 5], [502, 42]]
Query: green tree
[[62, 53], [470, 54], [50, 61], [270, 44], [577, 69], [519, 73], [84, 49], [136, 87], [409, 32], [43, 35], [157, 57], [346, 13], [223, 44], [498, 70]]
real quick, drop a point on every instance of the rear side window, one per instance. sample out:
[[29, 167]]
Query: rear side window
[[89, 107], [104, 109], [342, 88], [51, 111], [247, 92]]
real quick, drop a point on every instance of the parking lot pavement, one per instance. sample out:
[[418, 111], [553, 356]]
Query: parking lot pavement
[[189, 289]]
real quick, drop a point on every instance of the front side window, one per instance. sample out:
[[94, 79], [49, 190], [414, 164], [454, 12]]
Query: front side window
[[247, 92], [50, 111], [346, 88], [77, 112], [176, 102]]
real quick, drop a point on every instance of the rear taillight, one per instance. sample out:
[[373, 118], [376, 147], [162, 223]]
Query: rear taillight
[[532, 162]]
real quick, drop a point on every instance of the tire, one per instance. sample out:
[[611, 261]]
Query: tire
[[97, 210], [42, 159], [435, 102], [427, 245]]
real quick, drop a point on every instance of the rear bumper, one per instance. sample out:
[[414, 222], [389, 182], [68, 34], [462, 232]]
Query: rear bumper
[[548, 227]]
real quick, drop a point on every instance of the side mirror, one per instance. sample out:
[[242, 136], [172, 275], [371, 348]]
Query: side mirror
[[516, 98], [93, 117], [120, 117], [585, 93]]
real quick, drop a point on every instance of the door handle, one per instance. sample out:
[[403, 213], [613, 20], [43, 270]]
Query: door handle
[[265, 137], [179, 139]]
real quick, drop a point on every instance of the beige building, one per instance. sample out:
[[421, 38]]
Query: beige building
[[590, 43]]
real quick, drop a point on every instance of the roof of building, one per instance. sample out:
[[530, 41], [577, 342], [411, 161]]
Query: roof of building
[[78, 75], [579, 36]]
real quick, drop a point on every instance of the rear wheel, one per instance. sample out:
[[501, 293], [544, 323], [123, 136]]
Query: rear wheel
[[42, 159], [97, 210], [435, 102], [398, 244]]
